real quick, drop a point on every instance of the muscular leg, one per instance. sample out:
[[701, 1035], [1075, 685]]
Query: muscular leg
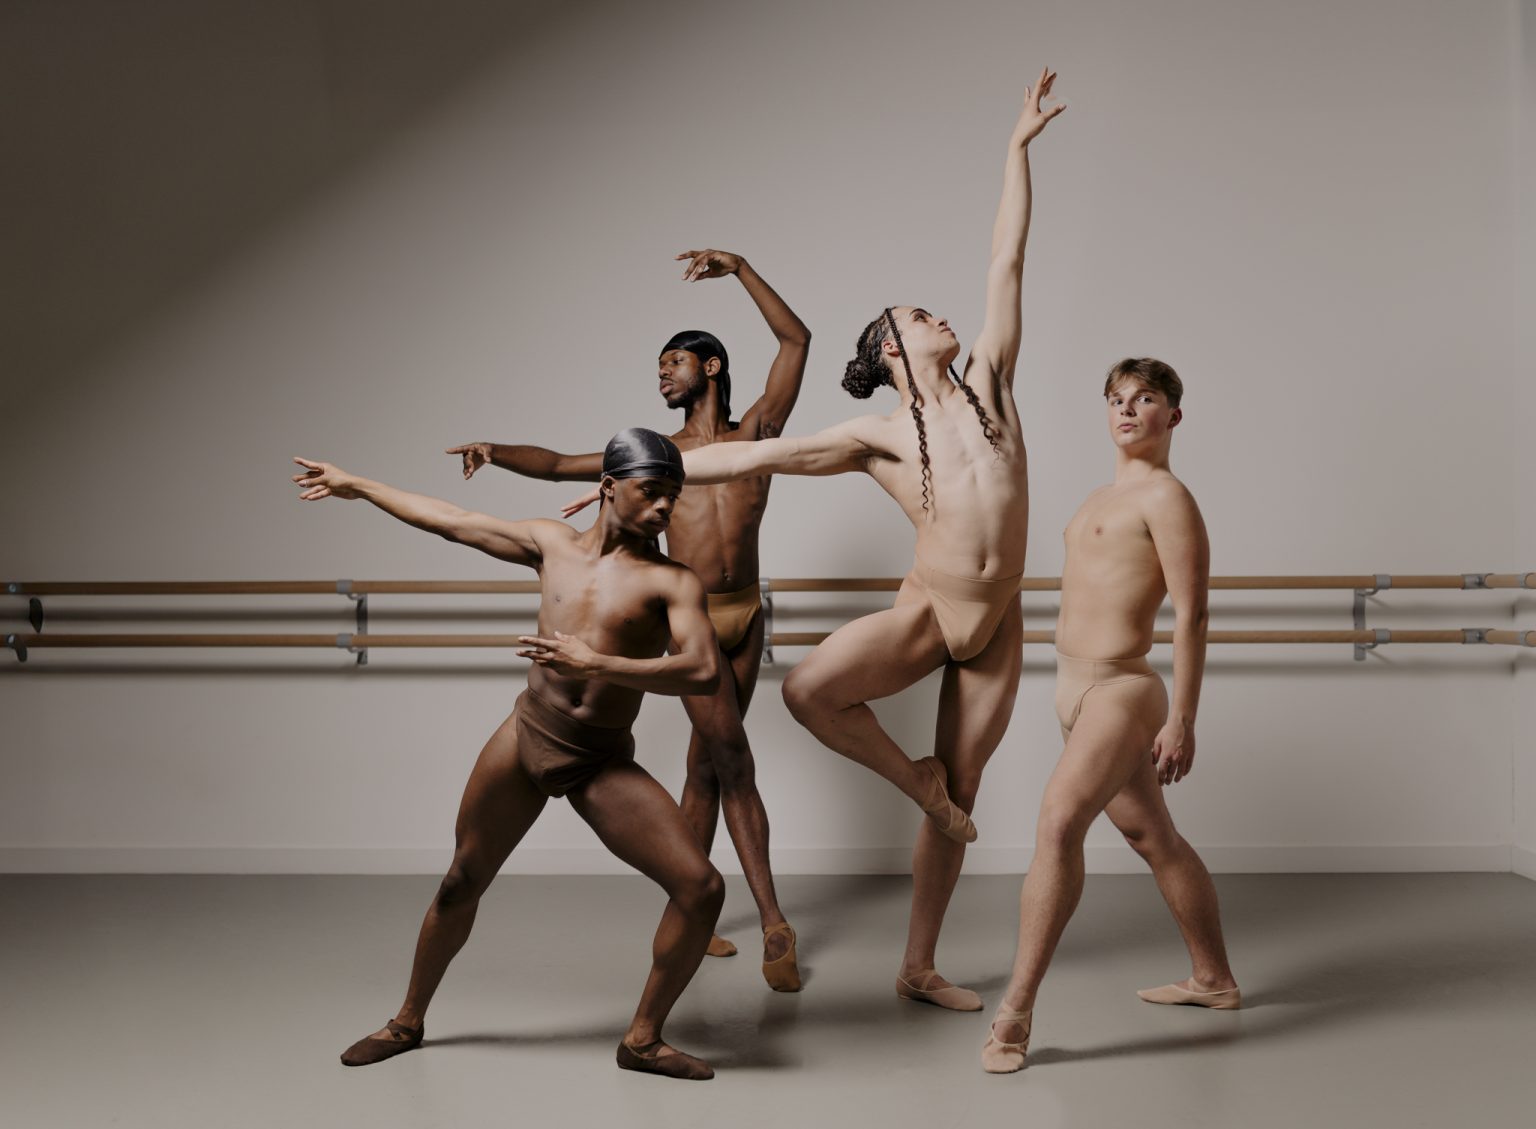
[[720, 741], [975, 706], [828, 691], [1111, 740], [637, 820], [500, 804], [1141, 815]]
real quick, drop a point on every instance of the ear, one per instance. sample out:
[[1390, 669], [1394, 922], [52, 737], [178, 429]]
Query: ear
[[712, 367], [1173, 420], [890, 348], [607, 486]]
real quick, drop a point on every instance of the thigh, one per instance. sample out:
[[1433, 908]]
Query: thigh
[[638, 821], [745, 660], [500, 800], [1110, 742], [876, 655], [1139, 809], [976, 701], [716, 717]]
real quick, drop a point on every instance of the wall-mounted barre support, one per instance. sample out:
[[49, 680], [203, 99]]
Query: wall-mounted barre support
[[360, 599], [765, 592], [1383, 582]]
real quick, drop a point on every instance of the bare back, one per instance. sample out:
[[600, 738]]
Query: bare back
[[1112, 583], [615, 603]]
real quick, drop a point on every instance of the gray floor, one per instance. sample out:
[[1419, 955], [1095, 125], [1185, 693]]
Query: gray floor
[[1391, 1000]]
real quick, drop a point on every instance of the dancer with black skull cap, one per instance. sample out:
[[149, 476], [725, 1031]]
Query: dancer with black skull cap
[[602, 643]]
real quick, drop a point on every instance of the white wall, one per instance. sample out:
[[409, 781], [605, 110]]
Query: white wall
[[313, 228], [1523, 737]]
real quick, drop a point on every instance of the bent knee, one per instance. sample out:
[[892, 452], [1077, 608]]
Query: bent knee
[[732, 764], [1153, 843], [464, 882], [1061, 829], [801, 696], [702, 893]]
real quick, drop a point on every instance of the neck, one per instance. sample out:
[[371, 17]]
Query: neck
[[704, 417], [608, 536], [1133, 466], [932, 382]]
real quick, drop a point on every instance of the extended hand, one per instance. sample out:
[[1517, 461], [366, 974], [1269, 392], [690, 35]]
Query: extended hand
[[572, 508], [564, 654], [1034, 119], [476, 455], [322, 480], [1174, 752], [709, 264]]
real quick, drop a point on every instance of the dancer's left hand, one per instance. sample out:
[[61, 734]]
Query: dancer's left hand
[[572, 508], [709, 264], [564, 654], [1174, 752]]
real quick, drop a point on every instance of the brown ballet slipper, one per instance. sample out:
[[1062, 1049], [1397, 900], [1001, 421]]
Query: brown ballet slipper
[[998, 1057], [1229, 999], [783, 973], [369, 1050], [666, 1061], [719, 947], [951, 996], [948, 816]]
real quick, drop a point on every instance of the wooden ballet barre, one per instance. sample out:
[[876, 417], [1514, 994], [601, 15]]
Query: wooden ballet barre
[[803, 584]]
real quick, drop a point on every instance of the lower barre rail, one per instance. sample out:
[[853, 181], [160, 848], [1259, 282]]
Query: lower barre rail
[[359, 642]]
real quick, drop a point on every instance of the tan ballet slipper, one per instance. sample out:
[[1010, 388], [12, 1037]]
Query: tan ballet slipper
[[951, 996], [1229, 999], [998, 1057], [719, 947], [783, 973], [948, 816], [664, 1060]]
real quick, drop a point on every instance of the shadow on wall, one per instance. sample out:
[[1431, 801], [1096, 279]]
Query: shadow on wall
[[159, 139]]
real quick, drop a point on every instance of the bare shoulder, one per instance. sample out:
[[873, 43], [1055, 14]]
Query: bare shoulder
[[1166, 497], [674, 581], [549, 535]]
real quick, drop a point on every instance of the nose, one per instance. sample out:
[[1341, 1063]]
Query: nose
[[664, 506]]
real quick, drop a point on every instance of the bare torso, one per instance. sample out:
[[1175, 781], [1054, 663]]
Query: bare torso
[[714, 528], [977, 521], [614, 603], [1112, 582]]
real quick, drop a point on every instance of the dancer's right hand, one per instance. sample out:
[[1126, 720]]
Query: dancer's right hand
[[1033, 119], [570, 509], [476, 455]]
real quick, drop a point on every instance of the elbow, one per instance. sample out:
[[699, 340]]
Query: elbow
[[706, 677], [799, 337]]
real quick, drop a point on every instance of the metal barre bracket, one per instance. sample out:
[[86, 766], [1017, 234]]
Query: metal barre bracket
[[765, 594], [34, 606], [18, 646], [1383, 582], [1474, 634], [1470, 580], [344, 588]]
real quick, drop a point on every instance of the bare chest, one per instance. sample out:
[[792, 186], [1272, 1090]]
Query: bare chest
[[608, 604]]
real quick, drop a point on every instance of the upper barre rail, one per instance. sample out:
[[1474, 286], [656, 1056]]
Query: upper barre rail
[[1468, 580]]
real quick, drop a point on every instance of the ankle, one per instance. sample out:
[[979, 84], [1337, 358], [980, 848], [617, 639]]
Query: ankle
[[1212, 982]]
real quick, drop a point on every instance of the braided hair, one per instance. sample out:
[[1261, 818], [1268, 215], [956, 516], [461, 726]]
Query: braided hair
[[868, 371]]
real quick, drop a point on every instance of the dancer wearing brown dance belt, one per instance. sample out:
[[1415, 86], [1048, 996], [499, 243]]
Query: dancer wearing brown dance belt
[[612, 608], [714, 531]]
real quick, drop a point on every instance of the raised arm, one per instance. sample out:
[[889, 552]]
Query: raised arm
[[692, 667], [514, 541], [531, 462], [1184, 551], [997, 346], [847, 446], [767, 416]]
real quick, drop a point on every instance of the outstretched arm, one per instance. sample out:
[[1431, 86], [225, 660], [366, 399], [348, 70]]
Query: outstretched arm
[[692, 667], [836, 450], [1184, 551], [765, 418], [997, 346], [531, 462], [514, 541]]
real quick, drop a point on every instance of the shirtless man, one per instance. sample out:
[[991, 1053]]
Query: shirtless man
[[1131, 544], [714, 531], [612, 607], [952, 456]]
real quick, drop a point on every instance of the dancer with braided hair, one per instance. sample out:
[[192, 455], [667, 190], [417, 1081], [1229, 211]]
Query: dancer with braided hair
[[952, 456]]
